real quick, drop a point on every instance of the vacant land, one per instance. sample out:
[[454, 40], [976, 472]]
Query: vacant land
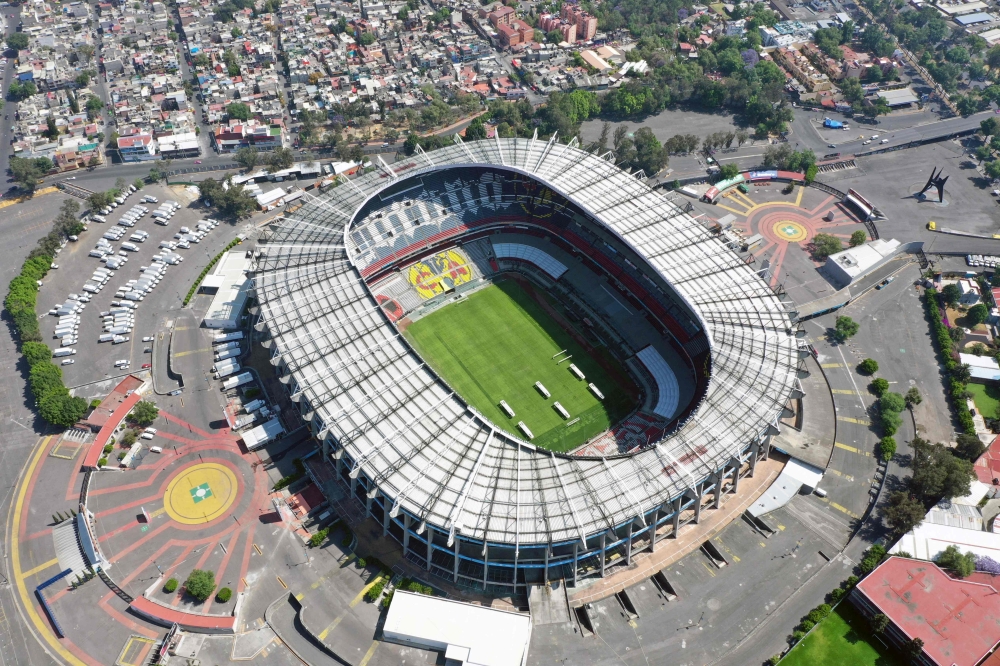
[[496, 344], [841, 639]]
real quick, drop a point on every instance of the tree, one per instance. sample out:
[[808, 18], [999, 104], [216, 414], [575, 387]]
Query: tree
[[991, 125], [62, 409], [983, 153], [859, 237], [953, 560], [892, 402], [280, 158], [728, 171], [914, 648], [879, 623], [938, 473], [890, 421], [17, 41], [367, 39], [35, 352], [962, 373], [232, 203], [825, 244], [18, 91], [844, 328], [200, 584], [871, 558], [554, 36], [904, 512], [913, 397], [993, 169], [879, 386], [238, 111], [28, 171], [887, 448], [138, 183], [144, 412], [969, 447], [247, 158], [951, 294], [129, 437], [977, 314], [476, 130], [869, 366]]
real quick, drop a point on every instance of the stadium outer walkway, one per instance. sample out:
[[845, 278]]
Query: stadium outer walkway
[[669, 551]]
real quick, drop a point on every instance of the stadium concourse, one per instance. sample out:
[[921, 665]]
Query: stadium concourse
[[712, 350]]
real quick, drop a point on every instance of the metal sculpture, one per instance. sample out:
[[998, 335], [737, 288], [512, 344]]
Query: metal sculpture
[[937, 181]]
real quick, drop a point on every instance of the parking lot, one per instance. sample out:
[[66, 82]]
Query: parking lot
[[95, 361]]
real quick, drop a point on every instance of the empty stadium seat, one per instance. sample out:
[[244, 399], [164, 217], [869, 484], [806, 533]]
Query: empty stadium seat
[[668, 392], [532, 255]]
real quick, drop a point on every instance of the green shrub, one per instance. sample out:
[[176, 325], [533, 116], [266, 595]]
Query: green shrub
[[108, 448], [887, 448], [851, 582], [375, 591], [797, 636], [362, 563], [200, 584], [869, 366], [946, 348], [95, 403], [387, 599], [806, 625], [774, 659], [837, 594], [102, 462], [879, 386], [346, 541], [170, 586], [318, 538], [224, 595], [211, 263]]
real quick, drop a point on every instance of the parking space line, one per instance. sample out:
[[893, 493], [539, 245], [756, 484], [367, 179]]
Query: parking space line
[[840, 474], [40, 567], [844, 510], [844, 391], [710, 572], [852, 449], [368, 655], [831, 365], [851, 419], [354, 602]]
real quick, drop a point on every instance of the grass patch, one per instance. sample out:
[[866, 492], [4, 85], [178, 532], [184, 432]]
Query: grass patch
[[987, 398], [495, 344], [842, 638]]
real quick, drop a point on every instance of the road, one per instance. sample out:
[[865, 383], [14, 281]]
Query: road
[[12, 15]]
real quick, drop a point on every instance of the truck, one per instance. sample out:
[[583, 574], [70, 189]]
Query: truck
[[65, 351], [227, 346], [253, 405], [227, 337], [229, 353], [832, 124], [238, 380]]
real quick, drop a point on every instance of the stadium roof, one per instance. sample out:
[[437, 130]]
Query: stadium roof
[[434, 456]]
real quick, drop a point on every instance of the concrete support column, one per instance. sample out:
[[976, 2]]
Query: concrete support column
[[326, 448], [628, 544], [486, 564], [604, 539], [697, 506], [652, 533], [736, 477], [766, 448], [406, 534], [754, 451], [340, 466], [719, 476], [430, 539], [354, 486], [455, 569], [677, 515], [547, 548], [576, 566], [385, 515]]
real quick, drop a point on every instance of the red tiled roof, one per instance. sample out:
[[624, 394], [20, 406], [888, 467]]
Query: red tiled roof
[[110, 423], [988, 466], [167, 617], [958, 620]]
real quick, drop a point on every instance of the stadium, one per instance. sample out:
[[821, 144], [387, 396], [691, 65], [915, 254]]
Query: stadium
[[524, 362]]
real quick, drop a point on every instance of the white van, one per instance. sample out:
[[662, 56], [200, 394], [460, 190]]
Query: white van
[[146, 435], [156, 449]]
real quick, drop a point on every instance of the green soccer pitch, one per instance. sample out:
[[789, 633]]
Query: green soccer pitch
[[495, 344]]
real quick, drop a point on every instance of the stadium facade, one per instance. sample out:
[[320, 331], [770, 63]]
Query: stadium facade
[[469, 501]]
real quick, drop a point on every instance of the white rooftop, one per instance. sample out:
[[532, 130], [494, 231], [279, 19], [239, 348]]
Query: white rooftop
[[232, 295], [470, 634]]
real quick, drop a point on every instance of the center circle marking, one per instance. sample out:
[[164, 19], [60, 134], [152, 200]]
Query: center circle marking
[[200, 493], [789, 231]]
